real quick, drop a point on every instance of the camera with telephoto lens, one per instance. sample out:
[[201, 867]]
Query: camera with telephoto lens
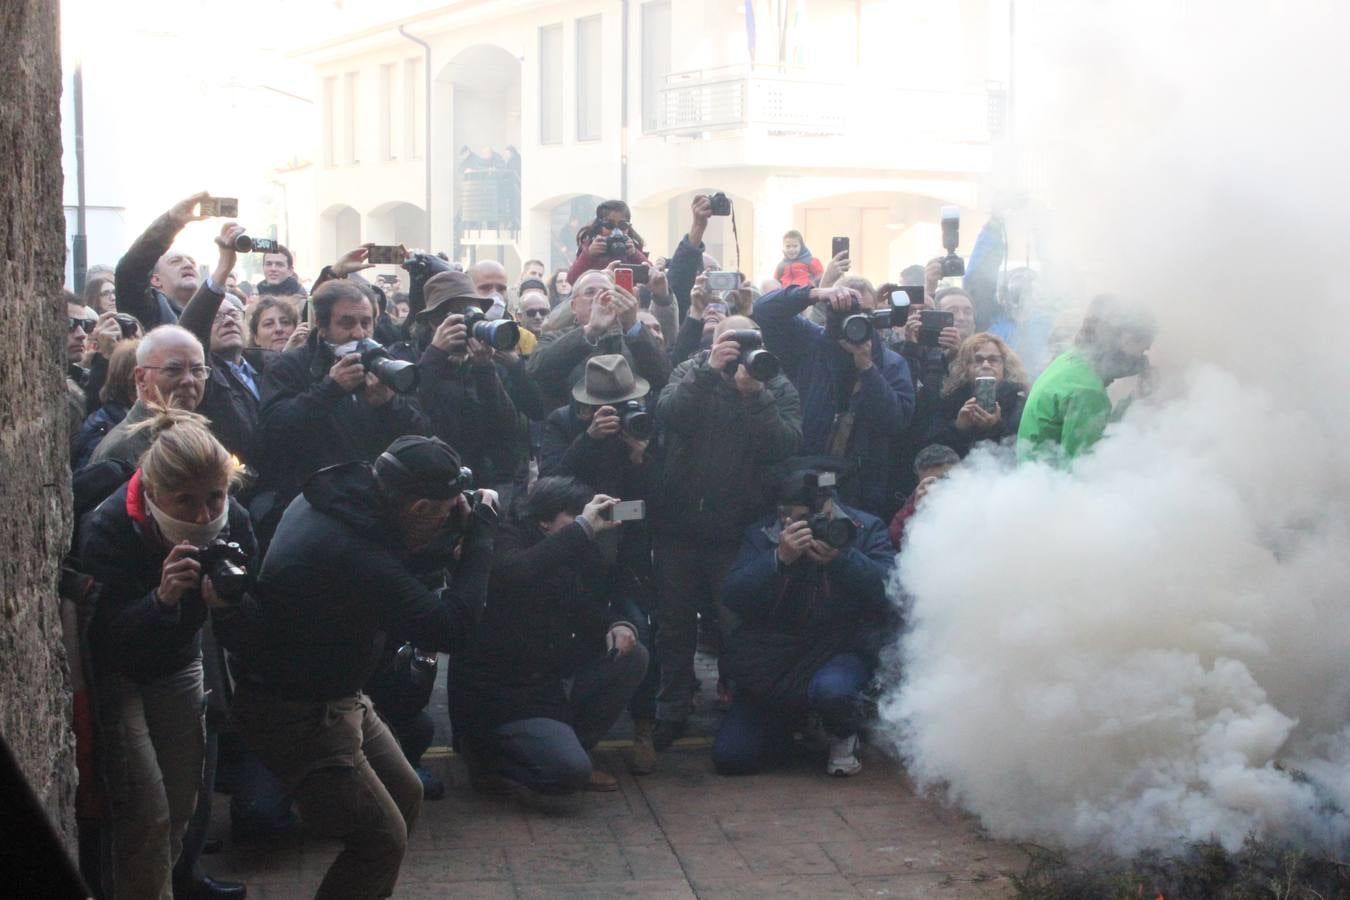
[[223, 562], [721, 204], [396, 374], [759, 363], [834, 532], [856, 325], [499, 334], [421, 667], [635, 420], [420, 267], [246, 244], [953, 266], [616, 244]]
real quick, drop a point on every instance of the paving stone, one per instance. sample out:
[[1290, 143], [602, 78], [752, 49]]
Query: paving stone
[[460, 890], [256, 865], [807, 887], [636, 829], [691, 828], [786, 859], [575, 829], [891, 819], [502, 828], [705, 863], [567, 863], [786, 825], [453, 865], [921, 886], [645, 890], [652, 862]]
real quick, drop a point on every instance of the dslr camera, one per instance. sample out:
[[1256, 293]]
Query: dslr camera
[[246, 244], [953, 266], [760, 363], [616, 244], [420, 267], [856, 325], [223, 562], [635, 420], [397, 374], [721, 204], [499, 334], [834, 532]]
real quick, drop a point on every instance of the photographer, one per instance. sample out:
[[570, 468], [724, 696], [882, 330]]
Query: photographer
[[140, 545], [607, 323], [320, 406], [1068, 408], [960, 421], [463, 389], [687, 262], [346, 566], [605, 438], [610, 237], [722, 430], [856, 397], [814, 617], [552, 664]]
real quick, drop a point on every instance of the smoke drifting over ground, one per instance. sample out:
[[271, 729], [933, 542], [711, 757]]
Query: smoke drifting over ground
[[1120, 657]]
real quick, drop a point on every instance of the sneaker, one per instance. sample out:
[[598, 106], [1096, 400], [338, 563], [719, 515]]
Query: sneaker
[[844, 757], [643, 761], [666, 733]]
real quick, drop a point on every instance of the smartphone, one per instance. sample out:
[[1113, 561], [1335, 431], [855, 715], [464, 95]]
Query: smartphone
[[627, 511], [129, 324], [986, 392], [720, 282], [219, 207], [639, 273], [624, 278], [387, 254], [838, 245], [932, 321]]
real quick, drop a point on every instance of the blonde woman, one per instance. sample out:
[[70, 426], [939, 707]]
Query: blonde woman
[[141, 544], [959, 421]]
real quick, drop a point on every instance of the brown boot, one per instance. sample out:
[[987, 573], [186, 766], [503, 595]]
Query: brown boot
[[643, 761], [601, 781]]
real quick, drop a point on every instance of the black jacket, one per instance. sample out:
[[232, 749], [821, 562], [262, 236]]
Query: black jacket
[[336, 580], [719, 445], [285, 289], [546, 617], [470, 410], [135, 294], [131, 632], [307, 422], [942, 428]]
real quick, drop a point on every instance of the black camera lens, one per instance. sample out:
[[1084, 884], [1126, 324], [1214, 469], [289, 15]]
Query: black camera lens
[[720, 203], [223, 562], [396, 374], [837, 533], [502, 334], [857, 329], [246, 244], [636, 421], [761, 364]]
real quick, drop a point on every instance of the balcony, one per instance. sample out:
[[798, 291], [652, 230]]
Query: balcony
[[785, 102]]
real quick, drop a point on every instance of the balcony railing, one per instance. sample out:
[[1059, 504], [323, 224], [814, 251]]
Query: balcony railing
[[786, 102]]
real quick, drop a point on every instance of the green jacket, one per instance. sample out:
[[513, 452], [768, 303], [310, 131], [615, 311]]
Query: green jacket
[[1065, 414]]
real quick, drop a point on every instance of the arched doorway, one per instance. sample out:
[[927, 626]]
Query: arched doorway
[[566, 216], [397, 223], [886, 232], [339, 231]]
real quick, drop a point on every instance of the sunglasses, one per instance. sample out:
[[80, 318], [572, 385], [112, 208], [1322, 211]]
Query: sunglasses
[[87, 325], [534, 313]]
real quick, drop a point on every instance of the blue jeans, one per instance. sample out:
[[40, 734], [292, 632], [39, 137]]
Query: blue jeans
[[754, 736]]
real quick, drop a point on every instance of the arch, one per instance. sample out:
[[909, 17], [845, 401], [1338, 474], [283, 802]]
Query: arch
[[339, 230], [719, 240], [566, 214], [397, 222]]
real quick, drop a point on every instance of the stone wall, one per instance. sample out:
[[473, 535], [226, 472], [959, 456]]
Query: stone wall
[[34, 472]]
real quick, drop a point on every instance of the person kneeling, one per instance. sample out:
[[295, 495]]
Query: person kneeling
[[810, 589], [550, 665]]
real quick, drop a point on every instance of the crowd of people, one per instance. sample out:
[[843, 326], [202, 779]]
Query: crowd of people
[[293, 502]]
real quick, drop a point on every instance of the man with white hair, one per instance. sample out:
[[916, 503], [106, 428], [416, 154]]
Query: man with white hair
[[154, 280], [171, 370]]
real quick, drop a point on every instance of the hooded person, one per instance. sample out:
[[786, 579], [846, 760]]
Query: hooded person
[[407, 525], [797, 268]]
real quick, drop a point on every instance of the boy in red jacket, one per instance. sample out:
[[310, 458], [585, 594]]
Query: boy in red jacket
[[798, 267]]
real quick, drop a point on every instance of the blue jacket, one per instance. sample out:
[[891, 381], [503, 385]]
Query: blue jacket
[[806, 597], [825, 377]]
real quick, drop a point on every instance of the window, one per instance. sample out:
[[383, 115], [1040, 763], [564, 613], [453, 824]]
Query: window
[[551, 84], [412, 107], [655, 60], [387, 140], [351, 84], [588, 78], [329, 123]]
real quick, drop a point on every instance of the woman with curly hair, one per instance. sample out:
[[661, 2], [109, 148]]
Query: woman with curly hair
[[959, 421]]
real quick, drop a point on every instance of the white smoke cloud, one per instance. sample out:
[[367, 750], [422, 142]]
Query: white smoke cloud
[[1121, 656]]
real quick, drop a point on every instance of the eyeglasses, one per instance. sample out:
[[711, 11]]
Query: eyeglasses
[[174, 372], [534, 313], [87, 325]]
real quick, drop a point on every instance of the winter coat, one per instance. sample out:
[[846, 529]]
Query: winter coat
[[306, 422], [559, 361], [96, 427], [288, 287], [803, 270], [881, 398], [943, 430], [719, 447], [585, 262], [135, 294], [546, 617], [1065, 414], [336, 577], [470, 410], [132, 633]]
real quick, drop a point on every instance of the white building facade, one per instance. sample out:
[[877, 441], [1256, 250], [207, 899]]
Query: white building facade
[[834, 117]]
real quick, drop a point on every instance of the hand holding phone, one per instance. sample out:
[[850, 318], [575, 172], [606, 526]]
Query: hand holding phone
[[623, 278], [838, 245], [218, 207]]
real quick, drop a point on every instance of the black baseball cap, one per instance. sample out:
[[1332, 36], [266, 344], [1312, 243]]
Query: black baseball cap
[[417, 466]]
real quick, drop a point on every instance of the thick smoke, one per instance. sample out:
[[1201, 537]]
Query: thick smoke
[[1154, 647]]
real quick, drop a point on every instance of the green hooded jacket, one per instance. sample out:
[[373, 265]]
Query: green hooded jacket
[[1065, 414]]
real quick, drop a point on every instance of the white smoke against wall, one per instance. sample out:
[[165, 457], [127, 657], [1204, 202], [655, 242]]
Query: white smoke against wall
[[1140, 651]]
